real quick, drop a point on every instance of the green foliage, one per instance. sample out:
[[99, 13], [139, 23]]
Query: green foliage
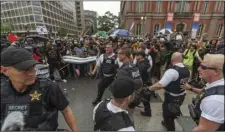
[[5, 28], [62, 32], [107, 22]]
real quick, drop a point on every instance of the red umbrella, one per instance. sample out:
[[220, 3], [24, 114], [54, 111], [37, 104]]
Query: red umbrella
[[12, 38]]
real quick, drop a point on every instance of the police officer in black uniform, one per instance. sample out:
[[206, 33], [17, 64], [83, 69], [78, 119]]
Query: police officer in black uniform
[[174, 94], [129, 69], [108, 66], [112, 115], [207, 109], [143, 66], [38, 99]]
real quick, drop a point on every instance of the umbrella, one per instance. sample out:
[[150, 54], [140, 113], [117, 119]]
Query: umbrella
[[101, 34], [121, 33], [165, 31]]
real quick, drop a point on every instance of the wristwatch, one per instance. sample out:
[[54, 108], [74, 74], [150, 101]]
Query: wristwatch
[[191, 89]]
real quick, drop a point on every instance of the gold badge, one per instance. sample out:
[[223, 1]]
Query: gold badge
[[35, 95]]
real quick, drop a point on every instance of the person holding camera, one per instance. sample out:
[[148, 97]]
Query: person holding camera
[[174, 95], [208, 107]]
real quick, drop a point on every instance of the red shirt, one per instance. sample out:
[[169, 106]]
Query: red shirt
[[36, 57]]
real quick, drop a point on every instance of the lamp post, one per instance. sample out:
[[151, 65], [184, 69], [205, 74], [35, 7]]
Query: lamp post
[[142, 27]]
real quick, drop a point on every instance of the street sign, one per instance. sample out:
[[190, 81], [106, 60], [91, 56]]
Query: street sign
[[41, 30], [170, 17], [196, 17]]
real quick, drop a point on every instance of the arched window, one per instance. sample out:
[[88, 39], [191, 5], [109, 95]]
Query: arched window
[[200, 30], [219, 29], [138, 29], [156, 28]]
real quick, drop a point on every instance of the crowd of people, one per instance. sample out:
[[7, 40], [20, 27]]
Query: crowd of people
[[131, 66]]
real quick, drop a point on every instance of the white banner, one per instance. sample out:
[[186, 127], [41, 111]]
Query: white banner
[[131, 27], [41, 30]]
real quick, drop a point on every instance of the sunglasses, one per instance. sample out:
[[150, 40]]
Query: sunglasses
[[203, 67]]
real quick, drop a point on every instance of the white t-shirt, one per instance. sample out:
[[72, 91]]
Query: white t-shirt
[[111, 107], [169, 76], [212, 107]]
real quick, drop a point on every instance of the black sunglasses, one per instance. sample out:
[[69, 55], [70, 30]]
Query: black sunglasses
[[203, 67]]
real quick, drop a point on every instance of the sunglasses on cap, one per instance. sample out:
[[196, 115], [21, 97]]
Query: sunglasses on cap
[[203, 67]]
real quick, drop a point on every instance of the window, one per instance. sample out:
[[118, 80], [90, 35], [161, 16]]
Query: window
[[156, 28], [31, 18], [23, 19], [196, 7], [21, 11], [33, 26], [219, 29], [36, 3], [13, 13], [30, 10], [38, 18], [19, 4], [23, 3], [14, 20], [16, 12], [27, 19], [25, 11], [2, 14], [28, 3], [187, 6], [205, 7], [140, 6], [158, 6], [138, 29], [18, 19], [200, 30], [3, 6], [10, 6], [37, 10], [10, 15]]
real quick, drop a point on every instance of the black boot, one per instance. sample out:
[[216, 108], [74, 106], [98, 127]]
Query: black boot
[[149, 113], [97, 100]]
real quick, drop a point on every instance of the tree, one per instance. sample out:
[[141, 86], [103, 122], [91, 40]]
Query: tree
[[107, 22], [62, 32], [5, 28]]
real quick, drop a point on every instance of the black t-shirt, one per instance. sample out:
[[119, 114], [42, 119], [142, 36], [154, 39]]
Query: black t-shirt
[[54, 97]]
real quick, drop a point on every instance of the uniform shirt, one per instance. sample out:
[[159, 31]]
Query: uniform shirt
[[169, 76], [101, 59], [212, 107], [111, 107]]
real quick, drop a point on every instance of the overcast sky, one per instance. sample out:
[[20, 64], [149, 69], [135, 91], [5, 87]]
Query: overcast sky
[[102, 6]]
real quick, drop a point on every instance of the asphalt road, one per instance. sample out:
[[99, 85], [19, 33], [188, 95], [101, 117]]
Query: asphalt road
[[81, 93]]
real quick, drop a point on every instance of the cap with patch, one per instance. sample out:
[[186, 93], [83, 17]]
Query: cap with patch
[[19, 58], [122, 87]]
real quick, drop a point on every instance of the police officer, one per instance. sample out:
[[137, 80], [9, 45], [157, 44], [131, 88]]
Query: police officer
[[174, 94], [113, 115], [129, 69], [143, 66], [38, 100], [108, 65], [208, 106]]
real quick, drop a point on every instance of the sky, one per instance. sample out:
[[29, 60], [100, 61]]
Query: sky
[[102, 6]]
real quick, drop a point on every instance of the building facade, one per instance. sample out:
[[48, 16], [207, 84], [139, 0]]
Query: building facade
[[80, 16], [90, 18], [26, 15], [143, 17]]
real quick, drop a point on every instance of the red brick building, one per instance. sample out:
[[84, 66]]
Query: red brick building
[[151, 16]]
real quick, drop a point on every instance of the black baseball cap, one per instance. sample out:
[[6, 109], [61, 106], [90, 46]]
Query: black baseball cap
[[19, 58], [122, 87]]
